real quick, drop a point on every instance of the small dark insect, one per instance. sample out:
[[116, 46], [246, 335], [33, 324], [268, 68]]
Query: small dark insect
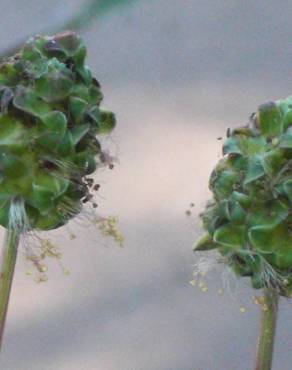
[[219, 138]]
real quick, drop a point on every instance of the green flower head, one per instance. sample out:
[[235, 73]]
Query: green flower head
[[249, 219], [50, 117]]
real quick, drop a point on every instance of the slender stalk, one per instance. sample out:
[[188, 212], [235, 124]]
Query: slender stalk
[[7, 266], [266, 337]]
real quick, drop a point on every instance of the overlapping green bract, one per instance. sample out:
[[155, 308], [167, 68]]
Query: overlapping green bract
[[249, 219], [49, 117]]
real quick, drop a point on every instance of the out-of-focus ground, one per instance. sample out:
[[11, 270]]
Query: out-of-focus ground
[[177, 74]]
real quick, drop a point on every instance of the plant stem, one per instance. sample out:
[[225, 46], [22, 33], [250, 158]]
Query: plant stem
[[266, 337], [7, 265]]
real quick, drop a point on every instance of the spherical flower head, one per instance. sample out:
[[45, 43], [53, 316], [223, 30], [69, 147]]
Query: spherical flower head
[[50, 116], [249, 219]]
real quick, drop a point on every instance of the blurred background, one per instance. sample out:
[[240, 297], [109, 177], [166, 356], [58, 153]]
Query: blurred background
[[177, 74]]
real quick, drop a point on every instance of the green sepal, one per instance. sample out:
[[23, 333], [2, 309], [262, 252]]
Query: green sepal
[[12, 133], [268, 214], [37, 68], [276, 242], [85, 74], [270, 119], [28, 102], [94, 115], [42, 199], [273, 161], [8, 74], [205, 243], [55, 122], [287, 187], [231, 146], [287, 121], [50, 221], [237, 213], [66, 146], [243, 199], [223, 182], [56, 84], [51, 183], [78, 132], [70, 43], [12, 166], [285, 141], [29, 52], [224, 209], [253, 145], [53, 130], [77, 108], [230, 235], [255, 169], [107, 122], [86, 162]]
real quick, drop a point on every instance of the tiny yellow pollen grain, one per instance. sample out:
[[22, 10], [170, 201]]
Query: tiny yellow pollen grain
[[220, 291], [41, 278], [43, 268], [204, 289], [193, 282], [259, 300], [285, 281], [242, 309], [201, 284], [28, 272], [66, 272], [203, 273], [72, 236]]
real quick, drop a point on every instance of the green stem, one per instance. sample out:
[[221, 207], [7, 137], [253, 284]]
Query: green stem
[[265, 345], [7, 264]]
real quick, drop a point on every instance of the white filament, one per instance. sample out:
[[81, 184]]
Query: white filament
[[18, 219]]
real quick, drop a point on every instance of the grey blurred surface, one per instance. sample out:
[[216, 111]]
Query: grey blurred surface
[[177, 73]]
